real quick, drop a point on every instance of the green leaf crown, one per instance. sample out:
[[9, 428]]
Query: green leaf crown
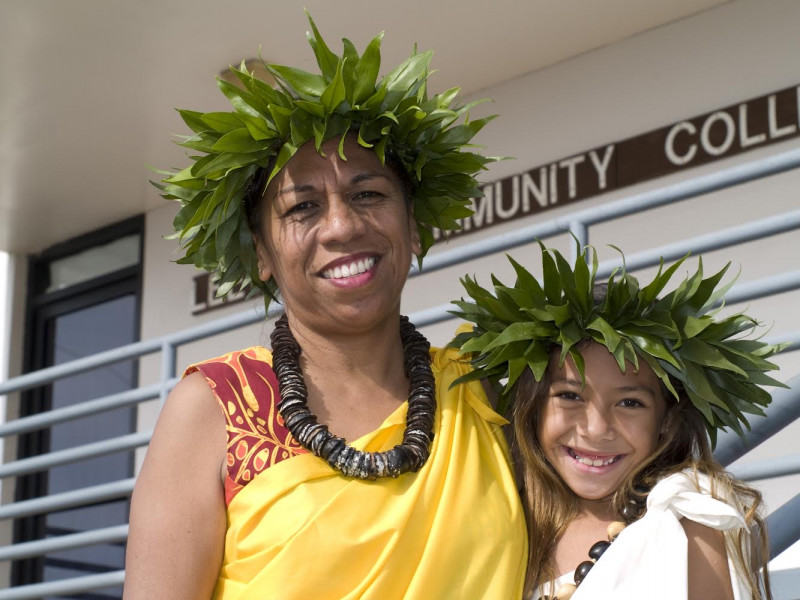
[[679, 335], [392, 115]]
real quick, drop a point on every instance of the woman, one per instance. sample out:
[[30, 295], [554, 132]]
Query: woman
[[341, 177], [615, 394]]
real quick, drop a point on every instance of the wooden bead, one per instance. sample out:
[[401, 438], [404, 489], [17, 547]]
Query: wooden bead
[[596, 551], [630, 512], [582, 571], [565, 591], [614, 529]]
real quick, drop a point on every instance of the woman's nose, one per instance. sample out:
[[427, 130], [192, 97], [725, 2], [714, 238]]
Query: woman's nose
[[341, 222]]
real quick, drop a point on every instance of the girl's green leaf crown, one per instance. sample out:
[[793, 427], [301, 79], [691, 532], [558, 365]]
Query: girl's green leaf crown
[[678, 335], [392, 115]]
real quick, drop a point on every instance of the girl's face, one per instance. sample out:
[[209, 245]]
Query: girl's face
[[338, 236], [595, 434]]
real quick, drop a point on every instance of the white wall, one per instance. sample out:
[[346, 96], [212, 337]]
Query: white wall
[[743, 49]]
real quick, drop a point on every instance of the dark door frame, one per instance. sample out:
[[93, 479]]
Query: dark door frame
[[41, 309]]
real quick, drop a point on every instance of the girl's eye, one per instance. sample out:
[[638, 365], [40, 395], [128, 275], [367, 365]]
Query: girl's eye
[[631, 403], [568, 396]]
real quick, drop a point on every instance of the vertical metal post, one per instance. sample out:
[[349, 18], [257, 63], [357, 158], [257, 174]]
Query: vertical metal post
[[581, 233], [169, 358]]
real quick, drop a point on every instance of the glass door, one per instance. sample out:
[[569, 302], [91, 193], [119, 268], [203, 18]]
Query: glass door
[[90, 309]]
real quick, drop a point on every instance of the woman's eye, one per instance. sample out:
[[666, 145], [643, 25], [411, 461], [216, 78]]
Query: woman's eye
[[568, 396], [298, 209], [367, 195]]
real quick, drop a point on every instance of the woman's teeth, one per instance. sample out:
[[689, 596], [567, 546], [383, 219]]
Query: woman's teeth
[[354, 268], [594, 462]]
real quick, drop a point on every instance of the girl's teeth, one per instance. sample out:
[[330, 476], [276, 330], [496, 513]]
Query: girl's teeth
[[594, 462], [354, 268]]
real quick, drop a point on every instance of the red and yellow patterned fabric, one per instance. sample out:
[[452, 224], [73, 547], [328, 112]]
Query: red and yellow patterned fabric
[[247, 391]]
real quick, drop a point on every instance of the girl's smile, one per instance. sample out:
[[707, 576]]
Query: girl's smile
[[593, 460]]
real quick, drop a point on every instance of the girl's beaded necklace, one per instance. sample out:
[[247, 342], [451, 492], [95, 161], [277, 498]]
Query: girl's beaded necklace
[[630, 513]]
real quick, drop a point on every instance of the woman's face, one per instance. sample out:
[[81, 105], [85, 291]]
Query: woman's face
[[595, 434], [338, 237]]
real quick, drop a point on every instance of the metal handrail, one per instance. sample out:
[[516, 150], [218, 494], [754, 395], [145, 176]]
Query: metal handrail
[[96, 493], [767, 469], [75, 411], [75, 585], [108, 535], [33, 464], [709, 242]]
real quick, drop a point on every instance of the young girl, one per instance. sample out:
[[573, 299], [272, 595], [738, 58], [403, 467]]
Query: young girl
[[615, 393]]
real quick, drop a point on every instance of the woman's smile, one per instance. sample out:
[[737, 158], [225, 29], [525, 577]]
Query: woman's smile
[[350, 268]]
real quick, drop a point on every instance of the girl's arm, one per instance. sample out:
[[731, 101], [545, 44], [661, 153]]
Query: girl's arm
[[709, 577], [177, 524]]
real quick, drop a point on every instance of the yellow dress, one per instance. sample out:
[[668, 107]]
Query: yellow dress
[[299, 530]]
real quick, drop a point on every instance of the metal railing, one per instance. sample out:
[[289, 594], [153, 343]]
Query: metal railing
[[784, 409]]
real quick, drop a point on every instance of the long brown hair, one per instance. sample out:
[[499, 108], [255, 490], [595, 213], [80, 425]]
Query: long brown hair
[[550, 505]]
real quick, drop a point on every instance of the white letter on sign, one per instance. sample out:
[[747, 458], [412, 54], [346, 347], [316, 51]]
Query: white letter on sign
[[669, 146]]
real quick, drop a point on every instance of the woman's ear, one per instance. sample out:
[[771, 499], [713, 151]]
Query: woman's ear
[[264, 261]]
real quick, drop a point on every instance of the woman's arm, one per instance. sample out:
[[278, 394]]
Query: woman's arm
[[177, 524], [709, 577]]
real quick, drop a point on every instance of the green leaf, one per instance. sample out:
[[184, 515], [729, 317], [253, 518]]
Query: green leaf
[[551, 277], [222, 121], [653, 346], [521, 330], [651, 291], [327, 60], [307, 86], [366, 70], [611, 338], [334, 94], [706, 355], [705, 291], [193, 119], [538, 358], [224, 163], [237, 141], [516, 366], [312, 108], [698, 384]]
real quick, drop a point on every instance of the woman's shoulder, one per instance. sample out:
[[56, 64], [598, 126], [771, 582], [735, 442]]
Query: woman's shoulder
[[448, 365], [253, 354]]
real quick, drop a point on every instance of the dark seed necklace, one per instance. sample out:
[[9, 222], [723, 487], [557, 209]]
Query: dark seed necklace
[[315, 437], [630, 513]]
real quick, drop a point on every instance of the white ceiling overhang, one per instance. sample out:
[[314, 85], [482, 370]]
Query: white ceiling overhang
[[88, 86]]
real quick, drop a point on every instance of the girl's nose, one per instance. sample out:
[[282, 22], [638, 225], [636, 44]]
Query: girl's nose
[[597, 424]]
